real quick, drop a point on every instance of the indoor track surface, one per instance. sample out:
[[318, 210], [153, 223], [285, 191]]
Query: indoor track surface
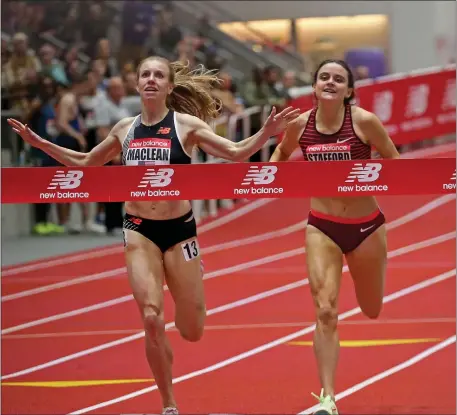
[[72, 339]]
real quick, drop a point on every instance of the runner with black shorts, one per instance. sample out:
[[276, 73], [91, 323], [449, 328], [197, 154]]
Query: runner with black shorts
[[161, 237]]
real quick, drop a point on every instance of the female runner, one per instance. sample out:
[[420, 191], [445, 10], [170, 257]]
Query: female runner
[[350, 226], [160, 238]]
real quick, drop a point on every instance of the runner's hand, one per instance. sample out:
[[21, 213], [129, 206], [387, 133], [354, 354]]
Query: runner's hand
[[25, 132]]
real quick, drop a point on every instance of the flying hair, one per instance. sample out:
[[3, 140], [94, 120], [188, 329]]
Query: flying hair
[[192, 89]]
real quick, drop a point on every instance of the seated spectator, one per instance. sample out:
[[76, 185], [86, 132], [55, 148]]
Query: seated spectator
[[230, 105], [69, 28], [50, 65], [132, 100], [289, 80], [21, 71], [271, 78], [94, 26], [99, 68], [104, 55], [186, 52]]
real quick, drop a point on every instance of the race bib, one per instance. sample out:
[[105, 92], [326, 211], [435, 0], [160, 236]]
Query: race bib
[[148, 151], [329, 152], [190, 249]]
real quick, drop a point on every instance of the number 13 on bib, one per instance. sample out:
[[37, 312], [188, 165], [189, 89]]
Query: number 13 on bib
[[190, 249]]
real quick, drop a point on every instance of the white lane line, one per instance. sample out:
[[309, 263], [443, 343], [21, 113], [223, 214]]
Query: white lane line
[[117, 271], [428, 207], [99, 252], [389, 372], [238, 303], [128, 297], [267, 346]]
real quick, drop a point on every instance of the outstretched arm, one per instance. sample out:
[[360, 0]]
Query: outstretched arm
[[202, 136], [98, 156]]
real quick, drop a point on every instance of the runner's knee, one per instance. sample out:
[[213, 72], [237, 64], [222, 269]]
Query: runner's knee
[[191, 325], [327, 317], [326, 310], [153, 322]]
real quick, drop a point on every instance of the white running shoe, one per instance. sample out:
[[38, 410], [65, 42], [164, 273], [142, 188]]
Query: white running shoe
[[326, 406]]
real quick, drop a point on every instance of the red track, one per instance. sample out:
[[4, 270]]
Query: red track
[[277, 380]]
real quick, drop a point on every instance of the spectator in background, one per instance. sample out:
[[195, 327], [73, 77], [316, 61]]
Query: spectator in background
[[185, 52], [21, 72], [230, 104], [6, 55], [99, 69], [108, 112], [94, 26], [169, 33], [50, 66], [41, 118], [73, 67], [259, 92], [91, 98], [289, 80], [14, 16], [71, 135], [109, 61], [271, 76], [131, 101], [55, 12], [69, 29], [137, 19]]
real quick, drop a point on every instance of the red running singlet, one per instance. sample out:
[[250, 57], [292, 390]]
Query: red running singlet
[[342, 145]]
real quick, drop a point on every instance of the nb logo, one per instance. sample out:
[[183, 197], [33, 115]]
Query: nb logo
[[164, 130], [69, 180], [363, 174], [159, 178], [453, 176], [256, 175]]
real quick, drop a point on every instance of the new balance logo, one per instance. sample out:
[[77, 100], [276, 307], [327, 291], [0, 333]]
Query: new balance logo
[[264, 175], [363, 174], [64, 181], [164, 130], [256, 177], [159, 178], [453, 176], [155, 178]]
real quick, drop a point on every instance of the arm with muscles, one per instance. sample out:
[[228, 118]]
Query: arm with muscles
[[98, 156], [290, 140], [376, 134], [202, 136]]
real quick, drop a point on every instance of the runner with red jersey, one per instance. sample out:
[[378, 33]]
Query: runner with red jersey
[[351, 227]]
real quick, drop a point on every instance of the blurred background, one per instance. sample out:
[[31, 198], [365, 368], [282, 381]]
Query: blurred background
[[266, 56]]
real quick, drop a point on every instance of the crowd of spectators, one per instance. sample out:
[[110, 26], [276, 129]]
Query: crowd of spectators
[[58, 67]]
